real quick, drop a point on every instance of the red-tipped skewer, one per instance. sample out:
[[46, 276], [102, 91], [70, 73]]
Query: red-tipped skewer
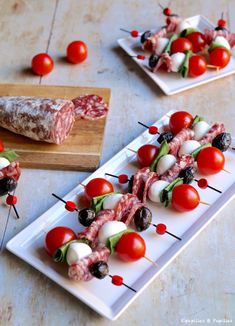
[[162, 229], [122, 178], [133, 33], [203, 184], [69, 205], [118, 281], [12, 200], [138, 56], [153, 130]]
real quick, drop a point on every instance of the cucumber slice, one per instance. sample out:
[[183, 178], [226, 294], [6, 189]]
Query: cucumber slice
[[164, 149], [166, 193], [197, 150], [113, 240], [168, 48], [185, 66], [196, 120], [97, 202]]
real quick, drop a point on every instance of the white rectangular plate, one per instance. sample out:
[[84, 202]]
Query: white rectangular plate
[[107, 299], [172, 83]]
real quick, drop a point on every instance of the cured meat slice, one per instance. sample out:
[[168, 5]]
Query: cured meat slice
[[153, 39], [153, 176], [127, 207], [139, 181], [81, 270], [38, 118], [215, 130], [181, 163], [90, 107], [179, 139], [11, 171], [164, 59], [172, 23], [211, 34], [91, 232]]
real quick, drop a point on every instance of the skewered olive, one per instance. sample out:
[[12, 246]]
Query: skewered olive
[[168, 136], [220, 28], [100, 269], [7, 185], [130, 184], [86, 216], [142, 219], [222, 141], [153, 60], [145, 36], [187, 174]]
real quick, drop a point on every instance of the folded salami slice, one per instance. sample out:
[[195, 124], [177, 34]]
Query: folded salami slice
[[81, 270], [91, 232], [127, 207], [181, 163], [11, 171], [215, 130], [211, 34], [38, 118], [166, 59], [139, 181], [179, 139], [173, 22], [90, 107]]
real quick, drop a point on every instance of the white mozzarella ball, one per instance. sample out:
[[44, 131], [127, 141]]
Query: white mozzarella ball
[[220, 40], [177, 61], [110, 228], [188, 147], [184, 24], [165, 163], [155, 189], [4, 163], [111, 202], [77, 251], [200, 129], [161, 44]]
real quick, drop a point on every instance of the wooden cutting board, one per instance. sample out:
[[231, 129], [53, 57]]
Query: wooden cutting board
[[81, 150]]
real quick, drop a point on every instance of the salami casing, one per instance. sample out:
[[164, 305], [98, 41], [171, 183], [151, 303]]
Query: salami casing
[[41, 119]]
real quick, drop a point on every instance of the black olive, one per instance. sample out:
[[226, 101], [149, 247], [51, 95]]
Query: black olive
[[130, 184], [86, 216], [142, 219], [168, 136], [99, 269], [222, 141], [7, 185], [145, 36], [220, 28], [187, 174], [153, 60]]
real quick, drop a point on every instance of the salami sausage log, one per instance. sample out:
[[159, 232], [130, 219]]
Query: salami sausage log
[[90, 107], [81, 270], [38, 118]]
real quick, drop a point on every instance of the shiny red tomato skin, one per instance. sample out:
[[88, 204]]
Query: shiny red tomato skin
[[181, 44], [42, 64], [76, 52], [197, 66], [198, 41], [146, 154], [210, 160], [185, 198], [57, 237], [1, 146], [180, 120], [98, 187], [130, 247], [219, 57]]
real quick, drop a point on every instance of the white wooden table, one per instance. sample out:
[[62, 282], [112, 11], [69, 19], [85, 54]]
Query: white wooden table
[[200, 283]]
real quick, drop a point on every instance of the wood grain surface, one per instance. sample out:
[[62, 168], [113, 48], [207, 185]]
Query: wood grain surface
[[199, 285], [81, 151]]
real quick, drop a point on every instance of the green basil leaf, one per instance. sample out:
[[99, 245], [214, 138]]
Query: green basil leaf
[[168, 48], [97, 202], [113, 240], [196, 120], [60, 254], [9, 154], [163, 150], [166, 193], [185, 66]]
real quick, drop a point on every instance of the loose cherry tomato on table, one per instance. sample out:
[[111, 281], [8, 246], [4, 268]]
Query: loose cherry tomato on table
[[76, 52], [198, 41], [197, 66], [130, 247], [57, 237], [185, 198], [42, 64], [1, 146], [146, 154], [210, 160], [219, 57], [181, 44], [180, 120], [98, 187]]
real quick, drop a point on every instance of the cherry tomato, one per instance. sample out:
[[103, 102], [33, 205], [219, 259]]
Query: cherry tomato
[[219, 57], [76, 52], [57, 237], [181, 44], [210, 160], [180, 120], [98, 187], [146, 154], [130, 247], [198, 41], [185, 198], [42, 64], [197, 66], [1, 146]]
